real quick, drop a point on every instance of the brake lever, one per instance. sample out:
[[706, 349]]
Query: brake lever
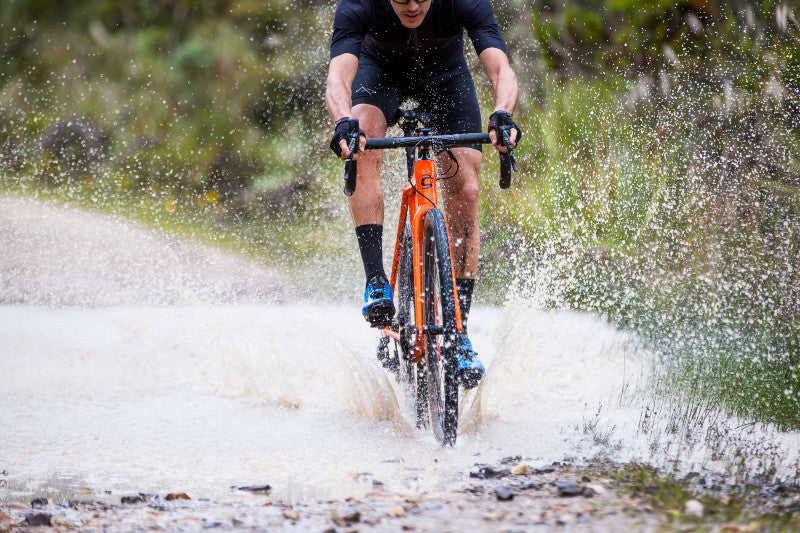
[[350, 165], [507, 143], [507, 161]]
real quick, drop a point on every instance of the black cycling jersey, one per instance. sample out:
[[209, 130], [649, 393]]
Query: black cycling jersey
[[372, 27]]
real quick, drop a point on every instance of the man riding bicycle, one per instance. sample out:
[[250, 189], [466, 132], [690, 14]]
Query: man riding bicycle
[[382, 53]]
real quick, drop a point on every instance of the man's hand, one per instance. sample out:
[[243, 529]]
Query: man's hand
[[501, 120], [339, 142]]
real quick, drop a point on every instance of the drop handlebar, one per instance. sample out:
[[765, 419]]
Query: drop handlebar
[[507, 161]]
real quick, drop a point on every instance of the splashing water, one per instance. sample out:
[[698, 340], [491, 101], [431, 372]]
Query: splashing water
[[203, 397], [200, 399]]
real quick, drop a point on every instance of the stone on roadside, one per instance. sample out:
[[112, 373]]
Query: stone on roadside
[[135, 498], [255, 489], [291, 514], [520, 470], [493, 516], [568, 488], [504, 493], [486, 472], [39, 519], [693, 509], [346, 520], [39, 502], [596, 488], [177, 496]]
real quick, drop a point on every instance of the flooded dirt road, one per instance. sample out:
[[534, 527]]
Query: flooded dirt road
[[135, 363]]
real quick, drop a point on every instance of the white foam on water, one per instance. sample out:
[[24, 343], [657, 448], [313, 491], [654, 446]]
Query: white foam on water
[[202, 398]]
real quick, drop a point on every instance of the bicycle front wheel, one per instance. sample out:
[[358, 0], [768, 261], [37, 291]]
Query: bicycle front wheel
[[439, 328], [412, 374]]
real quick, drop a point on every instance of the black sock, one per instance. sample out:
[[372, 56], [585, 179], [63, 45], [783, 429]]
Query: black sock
[[370, 242], [465, 286]]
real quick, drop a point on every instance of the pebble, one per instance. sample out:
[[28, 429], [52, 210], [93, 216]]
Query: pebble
[[291, 514], [693, 509], [504, 493], [39, 502], [255, 489], [597, 489], [568, 488], [39, 519], [520, 470], [176, 496], [486, 472], [346, 520], [136, 498], [396, 511]]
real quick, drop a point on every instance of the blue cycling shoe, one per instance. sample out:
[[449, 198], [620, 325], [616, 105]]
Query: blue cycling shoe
[[378, 307], [470, 369]]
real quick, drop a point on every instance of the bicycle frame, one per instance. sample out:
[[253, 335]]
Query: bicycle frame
[[418, 198]]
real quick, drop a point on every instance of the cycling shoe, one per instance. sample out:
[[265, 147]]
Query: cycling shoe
[[378, 308], [470, 369]]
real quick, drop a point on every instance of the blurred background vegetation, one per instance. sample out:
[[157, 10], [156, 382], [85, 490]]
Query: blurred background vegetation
[[659, 183]]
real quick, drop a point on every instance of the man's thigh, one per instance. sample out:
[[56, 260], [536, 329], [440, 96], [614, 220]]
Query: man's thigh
[[376, 86]]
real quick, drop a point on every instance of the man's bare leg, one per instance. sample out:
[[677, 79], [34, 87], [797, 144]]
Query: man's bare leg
[[366, 203], [366, 209], [460, 197]]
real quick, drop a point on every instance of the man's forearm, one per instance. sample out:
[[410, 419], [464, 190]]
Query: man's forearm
[[503, 79], [337, 98], [506, 91], [341, 73]]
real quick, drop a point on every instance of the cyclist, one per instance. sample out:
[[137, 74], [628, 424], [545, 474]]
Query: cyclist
[[382, 53]]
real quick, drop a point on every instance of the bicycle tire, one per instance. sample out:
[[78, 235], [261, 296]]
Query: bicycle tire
[[413, 374], [439, 328]]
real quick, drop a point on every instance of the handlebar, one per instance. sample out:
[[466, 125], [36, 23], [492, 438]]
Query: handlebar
[[507, 161]]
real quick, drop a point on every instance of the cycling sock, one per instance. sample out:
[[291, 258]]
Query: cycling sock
[[370, 242], [465, 286]]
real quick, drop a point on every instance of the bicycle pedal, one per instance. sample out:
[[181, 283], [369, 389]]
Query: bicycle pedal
[[380, 320]]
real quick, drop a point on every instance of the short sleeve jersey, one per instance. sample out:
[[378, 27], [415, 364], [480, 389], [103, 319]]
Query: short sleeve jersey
[[372, 27]]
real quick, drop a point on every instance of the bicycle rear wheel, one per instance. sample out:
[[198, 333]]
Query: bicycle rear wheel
[[439, 328]]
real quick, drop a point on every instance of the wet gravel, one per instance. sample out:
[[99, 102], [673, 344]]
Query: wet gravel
[[532, 501]]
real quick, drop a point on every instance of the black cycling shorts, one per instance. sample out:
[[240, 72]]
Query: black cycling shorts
[[448, 96]]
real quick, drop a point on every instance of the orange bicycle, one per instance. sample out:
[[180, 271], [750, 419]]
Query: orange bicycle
[[428, 319]]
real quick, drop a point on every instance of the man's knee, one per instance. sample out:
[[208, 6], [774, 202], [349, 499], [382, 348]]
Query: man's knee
[[465, 187], [370, 119]]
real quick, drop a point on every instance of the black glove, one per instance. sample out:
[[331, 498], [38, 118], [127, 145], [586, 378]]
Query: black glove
[[340, 133], [502, 119]]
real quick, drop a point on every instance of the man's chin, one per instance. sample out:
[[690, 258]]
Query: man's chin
[[412, 23]]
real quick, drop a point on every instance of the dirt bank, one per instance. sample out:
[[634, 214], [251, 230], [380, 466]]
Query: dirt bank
[[62, 256]]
